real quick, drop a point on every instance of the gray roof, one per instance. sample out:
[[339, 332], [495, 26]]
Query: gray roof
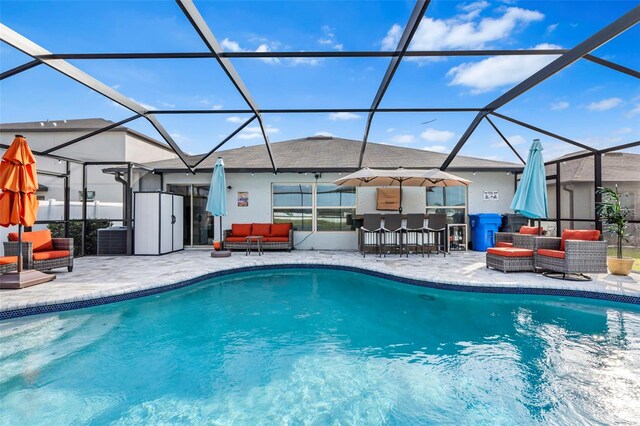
[[616, 167], [80, 125], [322, 153]]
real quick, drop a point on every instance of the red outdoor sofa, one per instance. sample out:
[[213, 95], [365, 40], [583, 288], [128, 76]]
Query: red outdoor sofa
[[275, 236]]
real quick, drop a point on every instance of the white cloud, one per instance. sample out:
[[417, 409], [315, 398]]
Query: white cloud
[[551, 28], [328, 134], [216, 107], [234, 119], [433, 135], [167, 104], [230, 45], [304, 61], [634, 111], [390, 41], [473, 9], [557, 106], [265, 48], [391, 129], [464, 31], [498, 71], [341, 116], [403, 139], [513, 140], [625, 130], [254, 132], [604, 104], [329, 38], [436, 148]]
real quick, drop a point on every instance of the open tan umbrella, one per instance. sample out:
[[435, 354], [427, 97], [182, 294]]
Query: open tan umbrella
[[401, 177]]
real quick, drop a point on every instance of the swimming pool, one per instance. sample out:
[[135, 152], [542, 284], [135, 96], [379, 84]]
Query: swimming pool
[[297, 346]]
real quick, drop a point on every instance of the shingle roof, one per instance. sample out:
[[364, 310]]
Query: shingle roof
[[616, 167], [83, 125], [323, 153]]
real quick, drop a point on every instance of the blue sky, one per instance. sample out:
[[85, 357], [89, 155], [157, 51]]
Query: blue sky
[[586, 102]]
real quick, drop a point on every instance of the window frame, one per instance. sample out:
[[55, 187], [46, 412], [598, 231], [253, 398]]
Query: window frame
[[314, 204], [464, 207]]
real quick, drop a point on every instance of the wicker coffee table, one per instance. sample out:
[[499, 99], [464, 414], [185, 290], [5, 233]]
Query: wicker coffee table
[[254, 239]]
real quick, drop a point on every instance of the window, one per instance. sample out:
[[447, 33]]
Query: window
[[451, 200], [319, 207], [293, 203], [335, 206]]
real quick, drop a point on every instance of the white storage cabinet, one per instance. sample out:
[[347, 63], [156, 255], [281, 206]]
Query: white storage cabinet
[[158, 223]]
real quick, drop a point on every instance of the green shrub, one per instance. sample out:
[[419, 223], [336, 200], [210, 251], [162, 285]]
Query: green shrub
[[75, 232]]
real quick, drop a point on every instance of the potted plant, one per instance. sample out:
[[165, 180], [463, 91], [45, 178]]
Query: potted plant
[[614, 215]]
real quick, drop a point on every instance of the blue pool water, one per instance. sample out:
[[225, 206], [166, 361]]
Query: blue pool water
[[323, 347]]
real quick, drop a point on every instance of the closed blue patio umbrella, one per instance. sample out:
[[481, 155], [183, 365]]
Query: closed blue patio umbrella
[[217, 200], [530, 199]]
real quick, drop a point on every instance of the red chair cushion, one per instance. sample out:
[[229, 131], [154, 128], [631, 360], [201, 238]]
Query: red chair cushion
[[235, 239], [503, 244], [530, 230], [7, 260], [558, 254], [276, 239], [579, 234], [41, 240], [46, 255], [240, 230], [280, 230], [510, 252], [261, 229]]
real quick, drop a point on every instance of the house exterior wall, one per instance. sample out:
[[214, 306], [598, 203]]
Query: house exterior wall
[[260, 204]]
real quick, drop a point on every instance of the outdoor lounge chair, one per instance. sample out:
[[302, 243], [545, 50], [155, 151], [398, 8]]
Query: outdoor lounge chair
[[576, 253], [8, 264], [40, 251], [370, 233]]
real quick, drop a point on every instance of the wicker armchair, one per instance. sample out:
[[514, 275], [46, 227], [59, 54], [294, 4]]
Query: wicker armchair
[[41, 262], [8, 264], [578, 257]]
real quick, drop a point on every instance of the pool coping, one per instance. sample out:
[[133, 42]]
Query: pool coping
[[91, 299]]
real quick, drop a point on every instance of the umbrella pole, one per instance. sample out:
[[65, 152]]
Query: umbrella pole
[[220, 229], [400, 208], [19, 248]]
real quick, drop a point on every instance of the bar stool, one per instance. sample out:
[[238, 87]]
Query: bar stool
[[371, 229], [392, 232], [437, 227], [415, 232]]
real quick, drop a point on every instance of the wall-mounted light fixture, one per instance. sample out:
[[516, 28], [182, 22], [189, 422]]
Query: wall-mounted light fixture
[[229, 188]]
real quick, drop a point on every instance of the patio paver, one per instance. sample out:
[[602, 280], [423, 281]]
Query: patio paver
[[95, 277]]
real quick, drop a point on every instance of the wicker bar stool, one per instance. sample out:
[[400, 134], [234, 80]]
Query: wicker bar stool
[[436, 228]]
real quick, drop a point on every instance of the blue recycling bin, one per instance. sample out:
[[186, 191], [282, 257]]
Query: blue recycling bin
[[483, 229]]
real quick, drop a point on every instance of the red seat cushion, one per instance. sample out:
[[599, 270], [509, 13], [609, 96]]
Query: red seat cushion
[[558, 254], [240, 229], [530, 230], [40, 240], [276, 239], [510, 252], [54, 254], [6, 260], [504, 244], [579, 234], [280, 230], [235, 239], [261, 229]]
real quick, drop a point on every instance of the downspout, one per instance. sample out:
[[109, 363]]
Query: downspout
[[118, 177]]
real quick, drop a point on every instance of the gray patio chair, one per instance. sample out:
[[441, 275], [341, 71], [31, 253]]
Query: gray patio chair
[[370, 233], [437, 228], [414, 232], [392, 233]]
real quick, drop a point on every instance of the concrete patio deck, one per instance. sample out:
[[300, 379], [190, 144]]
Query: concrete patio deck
[[97, 277]]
